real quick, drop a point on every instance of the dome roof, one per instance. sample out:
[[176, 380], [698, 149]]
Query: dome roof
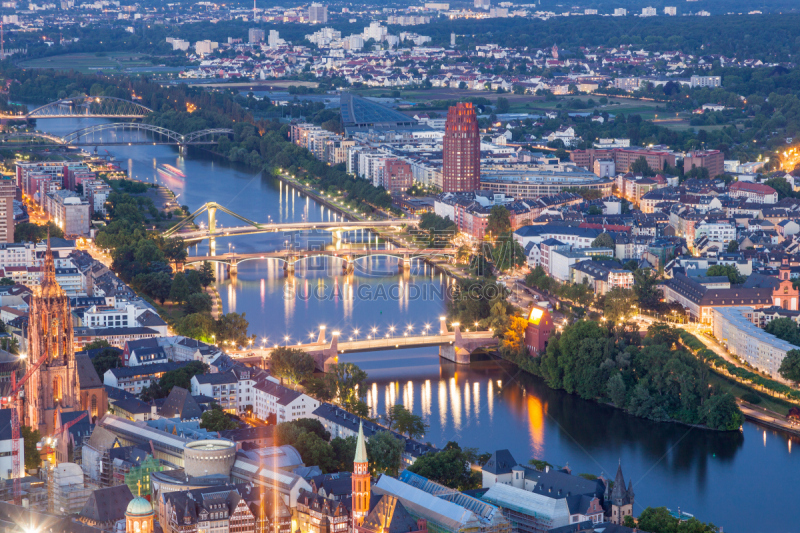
[[139, 506]]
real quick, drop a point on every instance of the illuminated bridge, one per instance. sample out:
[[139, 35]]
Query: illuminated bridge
[[291, 257], [119, 133], [86, 107], [455, 345], [251, 227]]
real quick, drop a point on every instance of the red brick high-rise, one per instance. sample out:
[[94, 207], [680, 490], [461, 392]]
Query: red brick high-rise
[[461, 170]]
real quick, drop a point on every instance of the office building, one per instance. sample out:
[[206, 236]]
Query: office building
[[670, 10], [712, 160], [317, 14], [648, 12], [461, 169], [8, 190], [705, 81], [255, 35], [69, 212]]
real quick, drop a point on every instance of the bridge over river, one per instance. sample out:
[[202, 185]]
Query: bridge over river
[[455, 345]]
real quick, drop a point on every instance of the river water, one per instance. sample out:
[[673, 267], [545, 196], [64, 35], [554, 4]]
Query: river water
[[746, 482]]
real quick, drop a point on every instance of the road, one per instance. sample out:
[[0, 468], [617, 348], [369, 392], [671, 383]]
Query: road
[[769, 418], [712, 344]]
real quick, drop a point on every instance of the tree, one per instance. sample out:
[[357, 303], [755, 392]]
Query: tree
[[348, 383], [790, 366], [499, 221], [385, 452], [507, 253], [721, 412], [404, 421], [198, 302], [646, 288], [730, 271], [215, 419], [733, 247], [29, 232], [619, 304], [785, 329], [513, 342], [616, 390], [198, 326], [640, 166], [604, 240], [95, 345], [6, 281], [232, 327], [783, 187], [158, 285], [207, 276], [502, 105], [450, 467], [30, 437], [291, 364], [181, 377], [660, 520], [180, 291], [344, 450], [107, 359]]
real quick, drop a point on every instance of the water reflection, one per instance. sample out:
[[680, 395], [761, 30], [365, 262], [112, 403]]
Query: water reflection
[[743, 481]]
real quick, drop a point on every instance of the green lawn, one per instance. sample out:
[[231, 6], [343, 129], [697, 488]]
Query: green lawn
[[739, 390], [89, 62]]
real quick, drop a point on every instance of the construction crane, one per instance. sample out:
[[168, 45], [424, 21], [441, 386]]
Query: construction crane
[[15, 429], [51, 439]]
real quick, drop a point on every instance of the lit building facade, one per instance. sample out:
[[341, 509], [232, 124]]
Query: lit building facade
[[461, 170]]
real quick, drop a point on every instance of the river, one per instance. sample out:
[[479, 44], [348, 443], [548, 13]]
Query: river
[[742, 481]]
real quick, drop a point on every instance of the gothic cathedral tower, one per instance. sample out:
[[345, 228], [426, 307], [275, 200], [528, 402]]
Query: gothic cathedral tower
[[361, 480], [55, 385]]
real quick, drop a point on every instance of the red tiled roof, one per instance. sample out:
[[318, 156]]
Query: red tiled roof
[[747, 186]]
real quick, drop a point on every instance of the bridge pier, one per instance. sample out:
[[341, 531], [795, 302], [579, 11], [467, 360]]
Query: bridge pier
[[347, 266], [233, 268], [455, 354], [212, 246], [182, 149], [405, 262], [212, 218], [288, 265]]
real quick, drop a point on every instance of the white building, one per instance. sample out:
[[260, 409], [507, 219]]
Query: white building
[[718, 231], [649, 12], [620, 12], [205, 47], [286, 404], [233, 390], [670, 10], [734, 328], [705, 81]]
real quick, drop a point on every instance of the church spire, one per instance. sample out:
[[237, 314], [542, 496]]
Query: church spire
[[361, 446], [361, 482]]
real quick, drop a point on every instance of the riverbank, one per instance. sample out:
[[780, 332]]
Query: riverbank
[[770, 419]]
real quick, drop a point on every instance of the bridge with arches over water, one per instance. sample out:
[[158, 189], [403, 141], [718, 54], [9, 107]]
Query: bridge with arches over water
[[119, 133], [348, 256], [250, 227], [85, 107], [455, 345]]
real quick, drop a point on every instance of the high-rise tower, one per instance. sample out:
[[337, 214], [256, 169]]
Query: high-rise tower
[[361, 480], [55, 385], [461, 170]]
